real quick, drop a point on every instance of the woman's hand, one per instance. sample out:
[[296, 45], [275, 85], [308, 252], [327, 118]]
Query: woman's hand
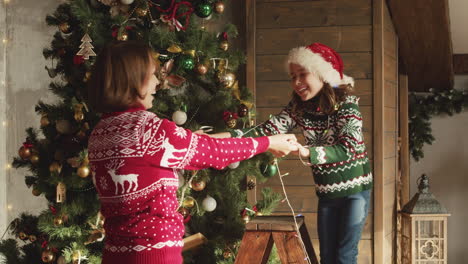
[[282, 144]]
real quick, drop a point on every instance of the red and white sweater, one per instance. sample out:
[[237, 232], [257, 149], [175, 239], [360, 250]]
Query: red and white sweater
[[134, 157]]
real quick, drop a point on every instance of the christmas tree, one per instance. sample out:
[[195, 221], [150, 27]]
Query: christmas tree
[[199, 90]]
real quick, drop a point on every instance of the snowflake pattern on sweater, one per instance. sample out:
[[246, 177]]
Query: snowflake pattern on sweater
[[134, 158], [336, 143]]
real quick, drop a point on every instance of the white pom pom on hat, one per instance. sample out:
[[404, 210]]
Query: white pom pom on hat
[[321, 60]]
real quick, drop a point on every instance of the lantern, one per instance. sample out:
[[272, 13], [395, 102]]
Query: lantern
[[424, 228]]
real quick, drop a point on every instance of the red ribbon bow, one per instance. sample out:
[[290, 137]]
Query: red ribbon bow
[[229, 115], [172, 10], [27, 145]]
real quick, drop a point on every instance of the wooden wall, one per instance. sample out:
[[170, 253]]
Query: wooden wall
[[274, 27], [385, 133]]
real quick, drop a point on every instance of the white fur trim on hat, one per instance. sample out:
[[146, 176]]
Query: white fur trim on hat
[[315, 63]]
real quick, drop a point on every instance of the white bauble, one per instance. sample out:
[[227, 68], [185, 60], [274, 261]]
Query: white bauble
[[209, 204], [234, 165], [179, 117], [126, 2]]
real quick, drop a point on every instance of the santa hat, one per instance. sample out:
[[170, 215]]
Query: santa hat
[[321, 60]]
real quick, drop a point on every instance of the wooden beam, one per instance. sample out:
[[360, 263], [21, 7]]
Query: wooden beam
[[460, 63], [378, 117], [423, 28]]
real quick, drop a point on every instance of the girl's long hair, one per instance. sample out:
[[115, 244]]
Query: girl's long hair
[[328, 101]]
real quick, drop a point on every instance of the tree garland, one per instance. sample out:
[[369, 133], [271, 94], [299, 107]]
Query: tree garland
[[422, 107]]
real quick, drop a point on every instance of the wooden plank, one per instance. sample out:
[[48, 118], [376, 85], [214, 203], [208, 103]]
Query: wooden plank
[[390, 68], [250, 65], [390, 254], [391, 42], [389, 207], [302, 198], [365, 251], [278, 93], [390, 91], [390, 122], [254, 241], [289, 247], [428, 22], [378, 115], [390, 169], [390, 144], [460, 63], [271, 67], [313, 13], [342, 39], [404, 135]]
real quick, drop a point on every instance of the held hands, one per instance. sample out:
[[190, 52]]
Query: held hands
[[282, 144], [301, 150]]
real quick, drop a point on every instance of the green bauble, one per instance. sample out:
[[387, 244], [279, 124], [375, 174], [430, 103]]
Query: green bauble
[[268, 170], [187, 63], [203, 9]]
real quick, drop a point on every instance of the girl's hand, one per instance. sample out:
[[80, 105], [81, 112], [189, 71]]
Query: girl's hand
[[301, 150], [282, 144]]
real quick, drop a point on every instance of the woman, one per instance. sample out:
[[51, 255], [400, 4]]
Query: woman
[[134, 156]]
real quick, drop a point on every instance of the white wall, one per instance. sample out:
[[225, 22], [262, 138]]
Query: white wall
[[26, 82], [3, 203], [458, 20], [446, 164]]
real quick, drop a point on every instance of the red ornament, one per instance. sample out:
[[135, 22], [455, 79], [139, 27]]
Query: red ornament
[[78, 59], [224, 36], [187, 218], [229, 115]]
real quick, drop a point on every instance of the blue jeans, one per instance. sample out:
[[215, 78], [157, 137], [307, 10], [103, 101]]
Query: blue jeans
[[340, 223]]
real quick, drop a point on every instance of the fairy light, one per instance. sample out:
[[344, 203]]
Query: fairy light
[[10, 207], [6, 1], [8, 166]]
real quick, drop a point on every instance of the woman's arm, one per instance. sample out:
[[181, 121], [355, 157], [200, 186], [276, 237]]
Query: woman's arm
[[176, 147]]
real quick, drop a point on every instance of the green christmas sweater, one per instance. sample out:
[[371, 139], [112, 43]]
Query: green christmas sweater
[[337, 152]]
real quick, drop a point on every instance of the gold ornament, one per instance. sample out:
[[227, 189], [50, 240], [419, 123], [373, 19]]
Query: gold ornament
[[189, 52], [79, 116], [224, 45], [87, 76], [246, 219], [227, 78], [22, 236], [64, 27], [198, 185], [34, 159], [227, 254], [123, 36], [32, 238], [36, 192], [189, 202], [258, 213], [219, 7], [202, 69], [83, 171], [24, 152], [48, 256], [231, 123], [141, 12], [44, 120], [55, 167], [58, 221], [174, 49]]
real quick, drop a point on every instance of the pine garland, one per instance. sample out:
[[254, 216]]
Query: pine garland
[[423, 107]]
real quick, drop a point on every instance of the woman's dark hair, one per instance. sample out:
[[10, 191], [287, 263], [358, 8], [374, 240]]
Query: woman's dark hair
[[328, 99], [118, 75]]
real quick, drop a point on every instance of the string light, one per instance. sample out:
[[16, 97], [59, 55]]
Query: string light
[[10, 207], [8, 166], [4, 40], [4, 123]]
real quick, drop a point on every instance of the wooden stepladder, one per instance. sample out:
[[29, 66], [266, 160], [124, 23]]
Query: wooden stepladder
[[263, 231]]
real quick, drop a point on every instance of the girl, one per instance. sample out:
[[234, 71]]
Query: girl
[[331, 122], [134, 156]]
